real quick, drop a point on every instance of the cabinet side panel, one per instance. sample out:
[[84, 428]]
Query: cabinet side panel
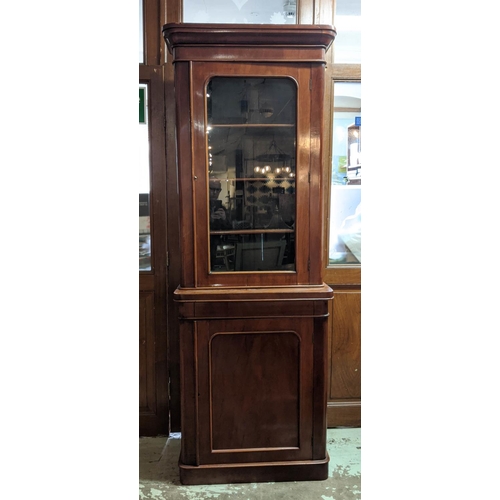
[[189, 413], [255, 390], [303, 249], [147, 392], [320, 370], [184, 162], [315, 188]]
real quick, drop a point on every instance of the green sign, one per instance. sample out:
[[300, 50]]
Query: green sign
[[142, 105]]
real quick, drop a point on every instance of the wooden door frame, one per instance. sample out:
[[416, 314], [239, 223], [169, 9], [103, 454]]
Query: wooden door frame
[[344, 387], [153, 285]]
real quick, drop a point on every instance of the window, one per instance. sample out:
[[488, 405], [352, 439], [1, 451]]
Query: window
[[345, 202], [141, 32], [347, 44], [144, 185], [240, 11], [344, 245]]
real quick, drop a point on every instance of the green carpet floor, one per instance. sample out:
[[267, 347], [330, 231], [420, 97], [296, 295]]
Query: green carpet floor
[[159, 475]]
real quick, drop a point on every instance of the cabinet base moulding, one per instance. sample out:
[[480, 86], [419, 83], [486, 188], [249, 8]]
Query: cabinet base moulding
[[313, 470]]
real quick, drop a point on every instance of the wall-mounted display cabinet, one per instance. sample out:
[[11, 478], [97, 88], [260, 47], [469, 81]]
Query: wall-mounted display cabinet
[[252, 304]]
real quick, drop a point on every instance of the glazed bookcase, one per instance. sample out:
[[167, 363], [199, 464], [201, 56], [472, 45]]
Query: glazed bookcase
[[252, 304]]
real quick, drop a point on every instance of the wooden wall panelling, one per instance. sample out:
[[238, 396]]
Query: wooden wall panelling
[[344, 395], [154, 282], [147, 366], [154, 419], [174, 267], [172, 14], [161, 349]]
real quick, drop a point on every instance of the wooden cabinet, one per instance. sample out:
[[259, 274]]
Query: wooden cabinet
[[252, 305]]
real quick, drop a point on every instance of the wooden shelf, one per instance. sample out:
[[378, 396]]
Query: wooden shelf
[[254, 231], [256, 179], [251, 125]]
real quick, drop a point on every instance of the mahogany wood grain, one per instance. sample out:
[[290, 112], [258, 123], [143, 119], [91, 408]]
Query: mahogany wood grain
[[147, 392], [305, 470], [343, 276], [266, 414], [344, 394], [256, 55], [254, 397], [222, 364], [189, 391], [344, 413], [236, 35], [316, 240], [345, 375], [253, 345], [184, 159], [255, 402], [309, 186], [174, 253], [319, 385]]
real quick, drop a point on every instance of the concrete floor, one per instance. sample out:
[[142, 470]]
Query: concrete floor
[[159, 476]]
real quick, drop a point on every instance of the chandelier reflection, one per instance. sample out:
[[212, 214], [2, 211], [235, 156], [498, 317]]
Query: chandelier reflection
[[274, 163]]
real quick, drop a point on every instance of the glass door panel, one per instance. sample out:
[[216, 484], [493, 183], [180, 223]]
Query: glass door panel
[[144, 183], [345, 203], [251, 151]]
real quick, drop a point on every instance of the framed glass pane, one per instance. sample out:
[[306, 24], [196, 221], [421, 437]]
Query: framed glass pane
[[144, 184], [141, 31], [345, 202], [240, 11], [251, 151], [347, 21]]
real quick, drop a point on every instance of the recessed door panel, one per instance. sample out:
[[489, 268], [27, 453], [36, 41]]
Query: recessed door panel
[[252, 399], [255, 390]]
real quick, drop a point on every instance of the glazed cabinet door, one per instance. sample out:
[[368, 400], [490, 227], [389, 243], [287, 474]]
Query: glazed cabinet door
[[251, 170]]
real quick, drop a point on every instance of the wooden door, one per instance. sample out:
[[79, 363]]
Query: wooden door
[[254, 397], [153, 371], [153, 274]]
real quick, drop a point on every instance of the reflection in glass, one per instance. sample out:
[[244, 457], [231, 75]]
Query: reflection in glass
[[144, 211], [345, 203], [347, 21], [251, 141], [240, 11]]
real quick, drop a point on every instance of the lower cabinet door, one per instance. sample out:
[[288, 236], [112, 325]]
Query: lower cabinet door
[[255, 389]]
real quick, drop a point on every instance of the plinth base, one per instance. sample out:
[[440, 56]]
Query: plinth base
[[313, 470]]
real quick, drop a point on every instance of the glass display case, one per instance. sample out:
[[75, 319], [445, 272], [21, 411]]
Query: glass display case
[[251, 128], [251, 143], [252, 304]]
